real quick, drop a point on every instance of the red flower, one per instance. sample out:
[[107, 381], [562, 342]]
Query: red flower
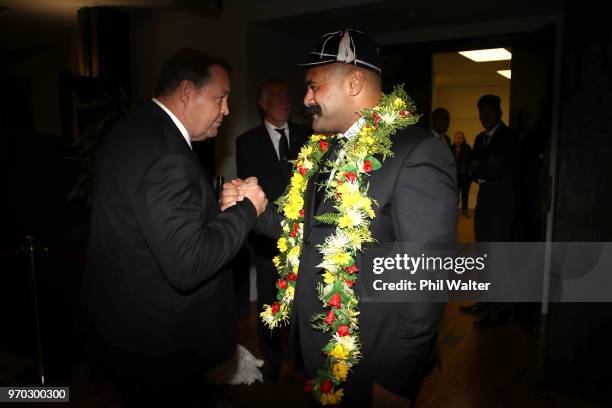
[[349, 283], [294, 232], [367, 166], [302, 170], [282, 284], [308, 386], [350, 176], [404, 113], [292, 277], [335, 301], [323, 145], [331, 316], [343, 330], [352, 269], [302, 213], [275, 308], [376, 118], [326, 386]]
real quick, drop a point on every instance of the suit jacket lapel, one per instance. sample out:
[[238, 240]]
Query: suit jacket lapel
[[294, 145], [269, 146]]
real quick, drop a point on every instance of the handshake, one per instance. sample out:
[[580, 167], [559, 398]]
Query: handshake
[[237, 189]]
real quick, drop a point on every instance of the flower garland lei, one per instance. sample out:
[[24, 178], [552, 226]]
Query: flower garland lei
[[348, 188]]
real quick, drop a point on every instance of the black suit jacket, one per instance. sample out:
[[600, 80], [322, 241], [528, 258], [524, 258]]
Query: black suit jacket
[[256, 156], [497, 164], [156, 285], [416, 193], [462, 159]]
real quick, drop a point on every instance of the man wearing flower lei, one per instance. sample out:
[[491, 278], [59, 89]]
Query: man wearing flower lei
[[377, 179]]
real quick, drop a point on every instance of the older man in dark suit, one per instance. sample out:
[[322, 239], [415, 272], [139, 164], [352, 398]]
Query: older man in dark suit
[[157, 294], [264, 152], [416, 195]]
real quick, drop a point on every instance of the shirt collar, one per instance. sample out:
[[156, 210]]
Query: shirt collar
[[353, 130], [272, 129], [176, 121], [492, 131], [437, 135]]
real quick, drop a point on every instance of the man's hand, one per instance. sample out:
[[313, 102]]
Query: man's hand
[[237, 189], [232, 193], [253, 191]]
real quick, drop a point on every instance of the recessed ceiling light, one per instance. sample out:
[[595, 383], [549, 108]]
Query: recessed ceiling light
[[493, 54], [505, 73]]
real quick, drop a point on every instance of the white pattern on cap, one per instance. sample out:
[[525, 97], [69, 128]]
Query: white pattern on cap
[[347, 51]]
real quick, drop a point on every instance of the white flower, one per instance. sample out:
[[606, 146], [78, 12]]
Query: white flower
[[335, 243], [349, 343], [388, 117]]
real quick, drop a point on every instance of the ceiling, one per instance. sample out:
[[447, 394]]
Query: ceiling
[[452, 69], [26, 23]]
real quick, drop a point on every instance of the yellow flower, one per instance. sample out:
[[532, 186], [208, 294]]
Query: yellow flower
[[361, 152], [293, 206], [294, 253], [282, 244], [316, 138], [350, 199], [351, 218], [297, 181], [332, 398], [341, 258], [296, 267], [305, 151], [340, 371], [276, 261], [328, 278], [289, 292], [398, 103], [338, 352]]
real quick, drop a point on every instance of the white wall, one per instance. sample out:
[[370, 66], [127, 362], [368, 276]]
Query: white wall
[[461, 104]]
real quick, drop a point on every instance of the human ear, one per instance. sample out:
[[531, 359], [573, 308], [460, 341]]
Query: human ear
[[355, 81]]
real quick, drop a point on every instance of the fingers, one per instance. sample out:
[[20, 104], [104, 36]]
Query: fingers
[[251, 180]]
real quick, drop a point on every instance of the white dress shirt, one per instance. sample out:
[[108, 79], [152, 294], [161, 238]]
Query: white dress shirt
[[177, 122], [490, 133], [275, 136], [348, 135]]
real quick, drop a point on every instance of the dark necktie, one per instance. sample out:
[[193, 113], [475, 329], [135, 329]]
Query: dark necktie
[[283, 153], [283, 145]]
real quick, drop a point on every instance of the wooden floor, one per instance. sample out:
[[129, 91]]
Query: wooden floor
[[495, 367]]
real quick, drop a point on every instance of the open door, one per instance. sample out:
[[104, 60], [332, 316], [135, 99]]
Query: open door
[[531, 116]]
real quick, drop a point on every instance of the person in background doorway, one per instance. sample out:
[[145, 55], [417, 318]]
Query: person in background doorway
[[440, 121], [462, 152]]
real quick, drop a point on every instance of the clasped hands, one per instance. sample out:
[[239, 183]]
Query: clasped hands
[[237, 189]]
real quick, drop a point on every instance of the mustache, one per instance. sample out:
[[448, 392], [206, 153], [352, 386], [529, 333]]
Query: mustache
[[314, 109]]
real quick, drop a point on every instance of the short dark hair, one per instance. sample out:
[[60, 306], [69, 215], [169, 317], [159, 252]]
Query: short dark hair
[[187, 64], [438, 112], [493, 101]]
